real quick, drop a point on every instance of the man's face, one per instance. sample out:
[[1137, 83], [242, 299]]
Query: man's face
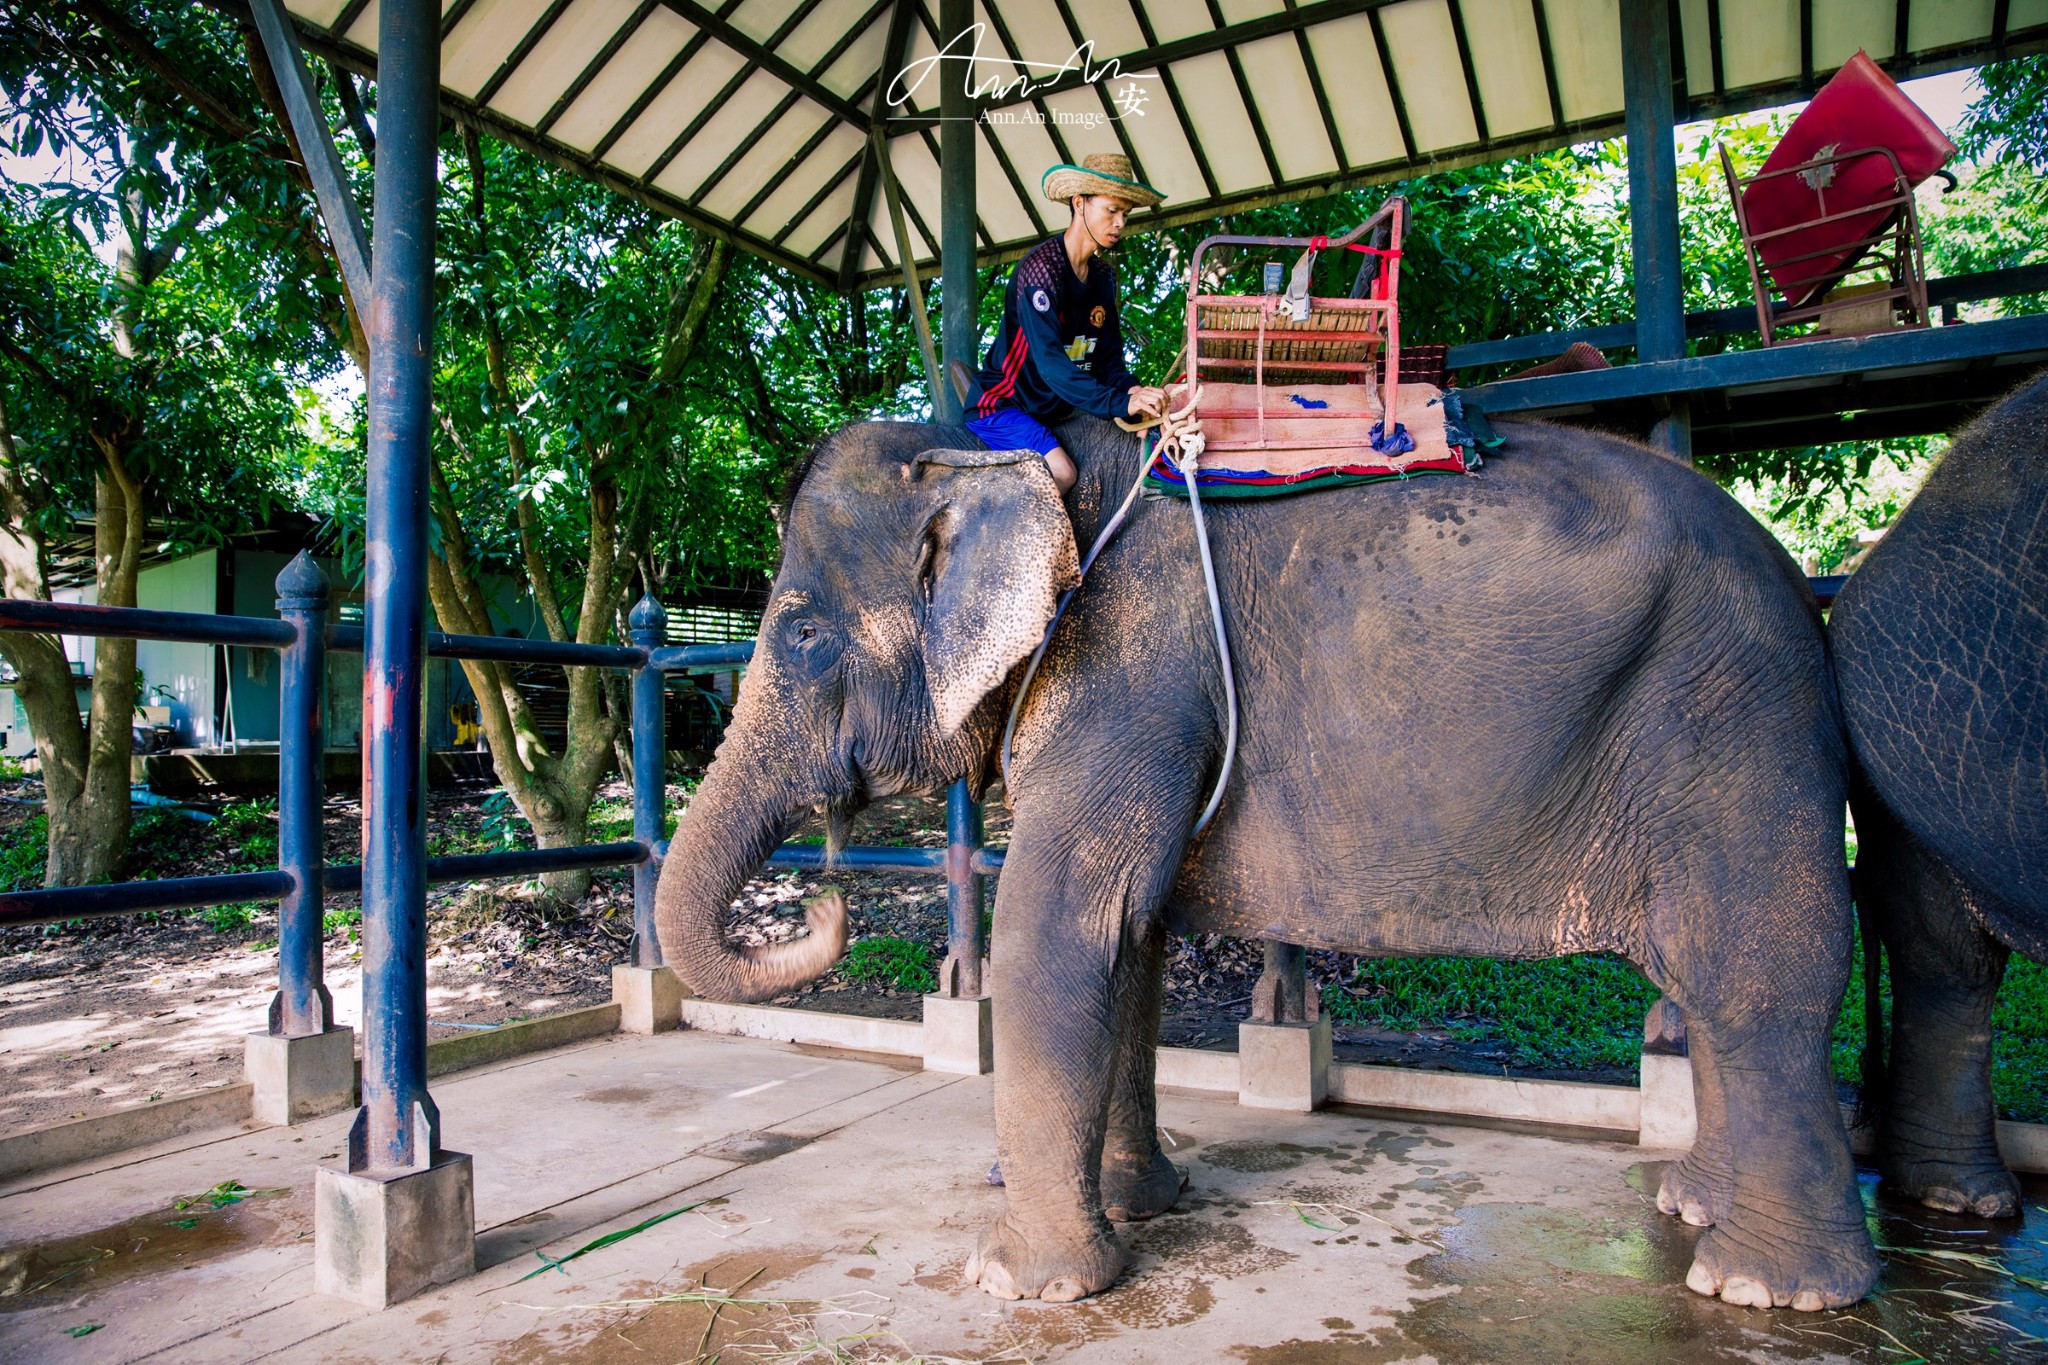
[[1103, 216]]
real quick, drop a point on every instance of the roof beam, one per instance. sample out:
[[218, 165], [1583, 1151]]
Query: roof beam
[[1465, 65], [522, 51], [765, 57], [894, 48], [339, 211], [1315, 85], [824, 191], [1386, 56], [1550, 62], [1180, 111], [1116, 122], [1251, 106], [464, 111], [1221, 39], [596, 64]]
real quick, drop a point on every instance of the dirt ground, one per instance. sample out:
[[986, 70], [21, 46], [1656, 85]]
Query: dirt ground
[[110, 1013]]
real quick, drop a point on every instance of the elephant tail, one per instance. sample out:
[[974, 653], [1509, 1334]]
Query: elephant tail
[[1870, 1100]]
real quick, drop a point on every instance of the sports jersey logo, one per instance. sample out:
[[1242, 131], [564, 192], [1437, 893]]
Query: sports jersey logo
[[1080, 349], [1039, 300], [1097, 315]]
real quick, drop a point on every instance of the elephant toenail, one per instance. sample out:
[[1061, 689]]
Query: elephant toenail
[[1700, 1280], [1696, 1215], [1740, 1289], [1808, 1301], [1065, 1289], [997, 1281]]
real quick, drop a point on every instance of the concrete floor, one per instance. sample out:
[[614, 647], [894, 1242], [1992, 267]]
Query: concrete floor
[[845, 1193]]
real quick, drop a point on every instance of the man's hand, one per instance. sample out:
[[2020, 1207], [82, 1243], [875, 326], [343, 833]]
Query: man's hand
[[1149, 401]]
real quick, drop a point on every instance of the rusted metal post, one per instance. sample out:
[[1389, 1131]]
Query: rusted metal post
[[966, 945], [398, 1127], [647, 628], [302, 1006]]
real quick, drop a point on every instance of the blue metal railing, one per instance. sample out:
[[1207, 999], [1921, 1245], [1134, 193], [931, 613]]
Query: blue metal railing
[[303, 635]]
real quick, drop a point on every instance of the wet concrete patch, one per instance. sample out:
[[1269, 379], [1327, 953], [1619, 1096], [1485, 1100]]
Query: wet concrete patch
[[748, 1148], [723, 1307], [33, 1274]]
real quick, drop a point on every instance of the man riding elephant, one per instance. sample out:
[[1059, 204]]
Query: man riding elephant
[[1061, 346]]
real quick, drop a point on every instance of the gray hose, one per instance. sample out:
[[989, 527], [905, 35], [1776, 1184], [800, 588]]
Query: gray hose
[[1115, 523], [1187, 470]]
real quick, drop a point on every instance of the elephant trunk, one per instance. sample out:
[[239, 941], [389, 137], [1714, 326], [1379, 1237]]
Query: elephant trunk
[[734, 822]]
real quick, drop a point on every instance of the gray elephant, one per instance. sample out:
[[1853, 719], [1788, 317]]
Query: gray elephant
[[1941, 649], [1578, 703]]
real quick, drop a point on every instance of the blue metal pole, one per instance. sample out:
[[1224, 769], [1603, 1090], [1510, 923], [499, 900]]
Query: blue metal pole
[[398, 1127], [647, 627], [1650, 111], [302, 1006], [961, 977]]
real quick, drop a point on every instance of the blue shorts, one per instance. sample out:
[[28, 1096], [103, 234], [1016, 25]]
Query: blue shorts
[[1009, 429]]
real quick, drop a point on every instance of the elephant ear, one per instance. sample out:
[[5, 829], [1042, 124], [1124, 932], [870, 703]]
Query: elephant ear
[[999, 552]]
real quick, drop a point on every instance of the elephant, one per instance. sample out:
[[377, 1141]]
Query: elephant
[[1578, 702], [1941, 650]]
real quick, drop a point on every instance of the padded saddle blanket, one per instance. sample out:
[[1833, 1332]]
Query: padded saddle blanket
[[1342, 443]]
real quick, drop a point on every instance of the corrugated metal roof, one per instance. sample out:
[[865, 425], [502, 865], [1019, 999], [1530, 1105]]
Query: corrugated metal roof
[[751, 118]]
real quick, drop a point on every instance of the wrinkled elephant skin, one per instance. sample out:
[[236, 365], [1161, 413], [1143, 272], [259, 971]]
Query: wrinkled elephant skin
[[1941, 642], [1579, 703]]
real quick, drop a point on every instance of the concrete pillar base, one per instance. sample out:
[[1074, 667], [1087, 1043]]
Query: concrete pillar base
[[959, 1035], [1668, 1117], [650, 999], [380, 1239], [295, 1079], [1283, 1066]]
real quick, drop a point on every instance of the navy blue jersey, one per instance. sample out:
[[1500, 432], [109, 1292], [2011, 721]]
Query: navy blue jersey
[[1060, 347]]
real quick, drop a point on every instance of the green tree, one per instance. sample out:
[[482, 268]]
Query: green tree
[[145, 294]]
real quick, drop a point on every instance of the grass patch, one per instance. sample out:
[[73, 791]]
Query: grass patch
[[893, 962], [24, 853], [1576, 1012], [1583, 1012]]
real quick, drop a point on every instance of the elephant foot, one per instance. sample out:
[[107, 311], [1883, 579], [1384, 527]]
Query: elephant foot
[[1698, 1190], [1985, 1189], [1135, 1189], [1832, 1272], [1010, 1265]]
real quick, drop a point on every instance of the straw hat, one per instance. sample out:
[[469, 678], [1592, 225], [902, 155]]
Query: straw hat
[[1100, 173]]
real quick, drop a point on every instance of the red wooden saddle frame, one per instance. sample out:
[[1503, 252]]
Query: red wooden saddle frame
[[1344, 341]]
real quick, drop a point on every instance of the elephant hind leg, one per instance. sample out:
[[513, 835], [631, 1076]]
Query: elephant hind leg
[[1700, 1186], [1937, 1135], [1756, 954], [1138, 1181]]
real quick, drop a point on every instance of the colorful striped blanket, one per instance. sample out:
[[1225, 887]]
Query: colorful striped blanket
[[1344, 442]]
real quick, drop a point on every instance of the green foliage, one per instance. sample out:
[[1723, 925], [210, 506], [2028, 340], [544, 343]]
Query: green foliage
[[347, 917], [1574, 1012], [186, 361], [229, 919], [24, 851], [2009, 120], [893, 962], [246, 832]]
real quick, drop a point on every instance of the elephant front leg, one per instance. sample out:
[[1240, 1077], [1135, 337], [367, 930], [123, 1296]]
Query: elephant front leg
[[1067, 922], [1138, 1181]]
